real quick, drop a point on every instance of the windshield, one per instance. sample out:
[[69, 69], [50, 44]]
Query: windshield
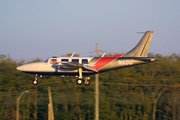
[[46, 60]]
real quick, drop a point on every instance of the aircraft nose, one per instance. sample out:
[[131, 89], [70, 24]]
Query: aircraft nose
[[20, 68]]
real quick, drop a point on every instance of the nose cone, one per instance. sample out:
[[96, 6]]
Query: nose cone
[[29, 67], [20, 68]]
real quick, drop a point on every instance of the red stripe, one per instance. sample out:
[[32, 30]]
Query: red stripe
[[102, 62], [119, 55]]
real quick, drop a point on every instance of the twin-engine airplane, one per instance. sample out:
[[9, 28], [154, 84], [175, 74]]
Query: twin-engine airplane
[[85, 66]]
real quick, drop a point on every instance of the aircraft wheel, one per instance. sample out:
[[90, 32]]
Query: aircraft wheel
[[87, 82], [35, 82], [79, 81]]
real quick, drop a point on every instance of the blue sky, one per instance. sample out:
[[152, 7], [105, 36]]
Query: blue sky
[[40, 29]]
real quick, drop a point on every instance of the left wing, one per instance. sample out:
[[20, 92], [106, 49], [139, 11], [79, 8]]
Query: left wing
[[74, 66], [90, 68]]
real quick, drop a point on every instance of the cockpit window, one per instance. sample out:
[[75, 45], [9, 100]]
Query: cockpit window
[[46, 60], [53, 61]]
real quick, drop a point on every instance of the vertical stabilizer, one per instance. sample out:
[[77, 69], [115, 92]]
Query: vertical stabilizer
[[141, 49]]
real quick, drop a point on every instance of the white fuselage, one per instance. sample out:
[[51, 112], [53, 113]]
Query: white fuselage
[[46, 67]]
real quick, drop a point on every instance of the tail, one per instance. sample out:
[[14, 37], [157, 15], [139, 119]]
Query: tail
[[142, 47]]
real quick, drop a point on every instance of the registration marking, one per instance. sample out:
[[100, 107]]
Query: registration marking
[[125, 62]]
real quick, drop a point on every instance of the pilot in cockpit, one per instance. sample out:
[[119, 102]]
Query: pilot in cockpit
[[53, 61]]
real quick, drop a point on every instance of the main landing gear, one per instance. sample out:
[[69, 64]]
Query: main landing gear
[[80, 81]]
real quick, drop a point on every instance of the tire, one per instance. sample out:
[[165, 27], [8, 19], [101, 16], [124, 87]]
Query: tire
[[35, 82], [79, 81], [87, 83]]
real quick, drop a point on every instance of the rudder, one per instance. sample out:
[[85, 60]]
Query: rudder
[[141, 49]]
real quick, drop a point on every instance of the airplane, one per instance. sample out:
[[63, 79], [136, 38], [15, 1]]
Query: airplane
[[86, 66]]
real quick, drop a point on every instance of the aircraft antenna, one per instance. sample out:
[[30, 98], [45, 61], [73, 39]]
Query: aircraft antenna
[[140, 32], [103, 54], [73, 54]]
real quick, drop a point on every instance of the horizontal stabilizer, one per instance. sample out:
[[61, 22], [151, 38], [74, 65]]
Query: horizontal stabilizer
[[141, 49]]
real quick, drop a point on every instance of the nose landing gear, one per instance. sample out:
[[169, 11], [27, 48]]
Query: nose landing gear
[[35, 81]]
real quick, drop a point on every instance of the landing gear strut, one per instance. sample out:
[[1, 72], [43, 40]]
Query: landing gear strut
[[80, 81], [35, 82]]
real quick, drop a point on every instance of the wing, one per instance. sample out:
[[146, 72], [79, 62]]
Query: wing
[[90, 68], [74, 66]]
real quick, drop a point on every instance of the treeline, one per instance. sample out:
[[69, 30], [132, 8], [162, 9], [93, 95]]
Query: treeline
[[144, 92]]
